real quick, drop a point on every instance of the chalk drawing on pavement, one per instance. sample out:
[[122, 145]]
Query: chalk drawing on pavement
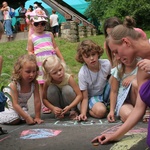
[[135, 130], [83, 123], [4, 138], [39, 133], [132, 138], [128, 142]]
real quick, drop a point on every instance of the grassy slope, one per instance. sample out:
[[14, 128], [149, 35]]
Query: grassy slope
[[11, 50]]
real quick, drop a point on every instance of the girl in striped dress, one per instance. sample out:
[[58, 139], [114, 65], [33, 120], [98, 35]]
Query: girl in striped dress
[[41, 43]]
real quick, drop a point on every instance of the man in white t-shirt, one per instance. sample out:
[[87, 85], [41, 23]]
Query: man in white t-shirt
[[54, 23]]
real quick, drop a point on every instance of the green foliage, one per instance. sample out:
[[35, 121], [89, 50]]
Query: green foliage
[[143, 16], [138, 9]]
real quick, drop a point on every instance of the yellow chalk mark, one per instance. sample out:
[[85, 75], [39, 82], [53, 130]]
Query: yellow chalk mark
[[127, 142]]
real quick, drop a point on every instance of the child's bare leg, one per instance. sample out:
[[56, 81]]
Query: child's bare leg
[[126, 108], [41, 90], [99, 110], [133, 92], [45, 110], [125, 111]]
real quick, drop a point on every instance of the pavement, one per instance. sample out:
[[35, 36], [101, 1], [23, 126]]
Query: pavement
[[17, 36], [67, 134]]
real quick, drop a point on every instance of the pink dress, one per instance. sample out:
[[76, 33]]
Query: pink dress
[[43, 47]]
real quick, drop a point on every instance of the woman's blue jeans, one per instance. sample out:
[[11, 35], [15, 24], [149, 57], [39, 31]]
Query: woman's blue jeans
[[8, 28]]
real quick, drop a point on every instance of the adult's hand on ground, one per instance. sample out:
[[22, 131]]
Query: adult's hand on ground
[[104, 139]]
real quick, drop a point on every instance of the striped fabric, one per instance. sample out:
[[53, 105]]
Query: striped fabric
[[104, 98], [43, 47]]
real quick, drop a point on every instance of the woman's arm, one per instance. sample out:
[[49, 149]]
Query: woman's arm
[[113, 98]]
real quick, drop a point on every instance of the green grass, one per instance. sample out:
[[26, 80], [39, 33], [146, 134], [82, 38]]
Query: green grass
[[10, 51]]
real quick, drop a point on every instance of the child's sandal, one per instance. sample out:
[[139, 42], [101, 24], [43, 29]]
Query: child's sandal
[[46, 110]]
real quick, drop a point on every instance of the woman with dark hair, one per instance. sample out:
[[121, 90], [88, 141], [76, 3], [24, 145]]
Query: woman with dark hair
[[109, 24]]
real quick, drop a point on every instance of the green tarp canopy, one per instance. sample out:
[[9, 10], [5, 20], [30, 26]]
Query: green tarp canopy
[[79, 5]]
